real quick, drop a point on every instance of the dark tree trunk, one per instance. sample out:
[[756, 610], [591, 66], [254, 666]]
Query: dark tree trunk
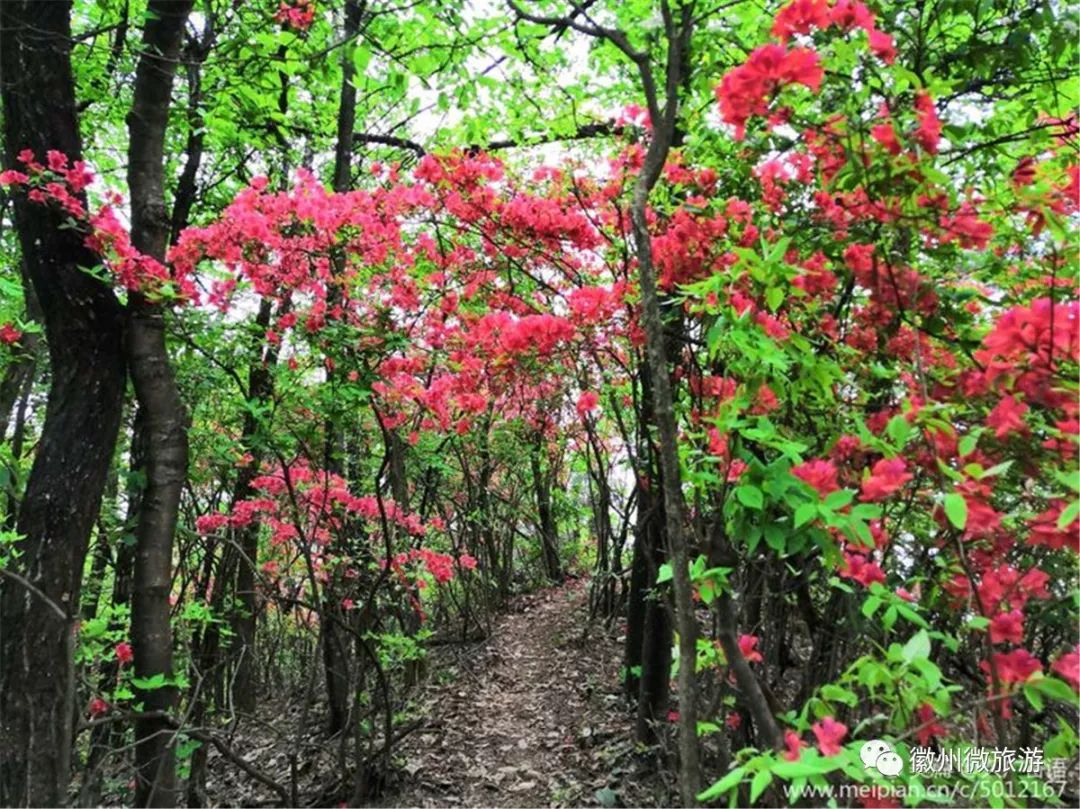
[[104, 737], [549, 535], [18, 438], [604, 597], [260, 388], [655, 689], [259, 392], [663, 409], [102, 554], [84, 331], [335, 645], [635, 609], [159, 400], [656, 633], [223, 571], [186, 187]]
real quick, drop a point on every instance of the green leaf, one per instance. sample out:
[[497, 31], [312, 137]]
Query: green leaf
[[870, 606], [866, 511], [774, 296], [775, 537], [917, 647], [664, 573], [835, 693], [707, 591], [1068, 515], [838, 499], [805, 513], [606, 797], [149, 683], [889, 620], [809, 764], [729, 781], [948, 471], [862, 532], [956, 509], [797, 787], [750, 496], [911, 615], [760, 784], [997, 469], [967, 444], [898, 430], [930, 672], [1055, 689]]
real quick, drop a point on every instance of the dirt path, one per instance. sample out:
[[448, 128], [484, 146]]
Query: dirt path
[[533, 717]]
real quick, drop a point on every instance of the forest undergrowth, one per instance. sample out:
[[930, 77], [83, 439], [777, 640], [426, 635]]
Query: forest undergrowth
[[533, 714]]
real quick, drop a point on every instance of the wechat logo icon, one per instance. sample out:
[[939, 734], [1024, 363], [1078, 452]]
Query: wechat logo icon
[[879, 755]]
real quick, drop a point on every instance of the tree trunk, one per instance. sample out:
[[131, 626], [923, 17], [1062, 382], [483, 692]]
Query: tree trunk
[[104, 737], [84, 331], [159, 399], [656, 636], [663, 404], [635, 608], [260, 390], [549, 537], [336, 657]]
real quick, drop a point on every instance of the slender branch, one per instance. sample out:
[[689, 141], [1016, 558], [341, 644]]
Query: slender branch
[[11, 574]]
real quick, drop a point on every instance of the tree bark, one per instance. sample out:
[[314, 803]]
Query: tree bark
[[84, 332], [336, 657], [654, 689], [549, 537], [104, 737], [663, 399], [159, 399]]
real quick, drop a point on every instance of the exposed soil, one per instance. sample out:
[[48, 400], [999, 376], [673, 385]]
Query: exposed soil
[[533, 717]]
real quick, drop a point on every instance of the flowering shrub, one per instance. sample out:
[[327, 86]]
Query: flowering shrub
[[62, 185], [942, 353]]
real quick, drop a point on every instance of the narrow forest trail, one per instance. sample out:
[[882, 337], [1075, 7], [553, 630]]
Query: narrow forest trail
[[532, 717]]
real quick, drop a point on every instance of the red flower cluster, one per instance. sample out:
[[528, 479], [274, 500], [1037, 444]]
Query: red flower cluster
[[1008, 417], [1013, 667], [9, 334], [794, 745], [295, 14], [97, 708], [818, 474], [63, 185], [802, 16], [1036, 336], [439, 565], [928, 726], [1007, 627], [1067, 667], [829, 733], [929, 132], [744, 91], [748, 647], [587, 402], [886, 478], [858, 567], [124, 653]]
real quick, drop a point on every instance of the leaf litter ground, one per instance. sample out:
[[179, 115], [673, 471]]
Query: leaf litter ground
[[533, 717]]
